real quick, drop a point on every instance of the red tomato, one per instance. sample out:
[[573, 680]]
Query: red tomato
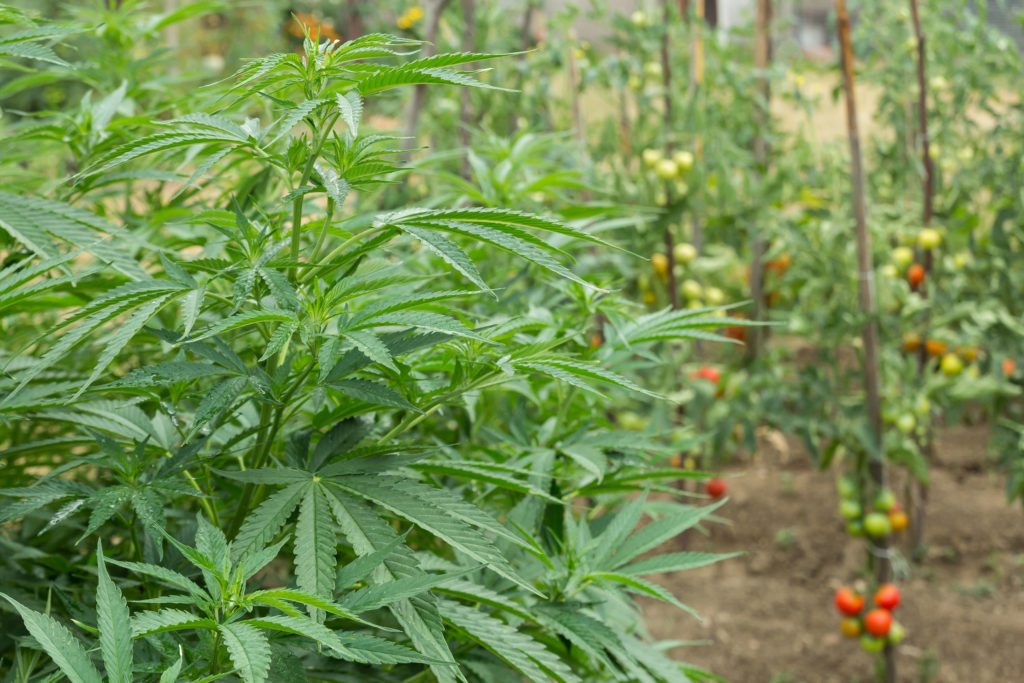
[[715, 488], [1009, 367], [877, 622], [915, 276], [710, 374], [736, 332], [849, 602], [888, 596]]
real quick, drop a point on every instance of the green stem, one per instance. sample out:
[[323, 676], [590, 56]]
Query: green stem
[[211, 512], [248, 499], [323, 232], [215, 660], [314, 154], [412, 421], [337, 251]]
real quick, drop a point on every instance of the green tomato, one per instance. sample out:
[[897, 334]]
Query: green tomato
[[877, 525], [849, 509], [885, 500], [633, 422], [951, 365], [651, 157], [897, 633], [692, 290], [855, 528], [906, 423], [847, 487], [683, 159], [684, 251], [666, 169], [929, 238], [903, 256], [871, 644], [922, 406]]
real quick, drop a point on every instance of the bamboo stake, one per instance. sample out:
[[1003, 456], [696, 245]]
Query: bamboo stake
[[919, 498], [578, 125], [525, 36], [698, 82], [350, 24], [434, 10], [762, 113], [666, 76], [922, 116], [574, 90], [866, 297], [465, 108]]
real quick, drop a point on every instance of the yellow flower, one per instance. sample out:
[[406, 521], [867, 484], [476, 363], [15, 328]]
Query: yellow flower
[[415, 13], [403, 22]]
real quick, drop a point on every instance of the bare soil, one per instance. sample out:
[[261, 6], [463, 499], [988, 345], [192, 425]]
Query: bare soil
[[768, 615]]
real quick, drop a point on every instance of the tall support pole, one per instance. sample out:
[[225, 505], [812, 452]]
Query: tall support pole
[[465, 104], [668, 127], [434, 10], [762, 114], [866, 298], [919, 492]]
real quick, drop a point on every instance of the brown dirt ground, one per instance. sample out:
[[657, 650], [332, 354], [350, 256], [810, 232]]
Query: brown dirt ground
[[768, 615]]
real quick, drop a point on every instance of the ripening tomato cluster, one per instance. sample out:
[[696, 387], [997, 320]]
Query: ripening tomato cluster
[[876, 627], [903, 257], [691, 291], [953, 362], [885, 516]]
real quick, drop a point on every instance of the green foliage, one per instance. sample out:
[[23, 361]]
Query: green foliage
[[301, 444]]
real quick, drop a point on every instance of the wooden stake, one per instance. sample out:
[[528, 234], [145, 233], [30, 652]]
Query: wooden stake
[[667, 126], [525, 37], [919, 498], [762, 114], [578, 125], [698, 82], [434, 10], [866, 297], [922, 116], [465, 108]]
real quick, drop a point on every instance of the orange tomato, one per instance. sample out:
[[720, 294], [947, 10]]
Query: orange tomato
[[911, 341], [737, 332], [1009, 367], [935, 348], [898, 520], [968, 353], [915, 276], [779, 265], [850, 627]]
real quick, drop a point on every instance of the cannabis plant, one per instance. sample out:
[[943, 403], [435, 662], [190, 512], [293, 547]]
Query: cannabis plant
[[258, 431]]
